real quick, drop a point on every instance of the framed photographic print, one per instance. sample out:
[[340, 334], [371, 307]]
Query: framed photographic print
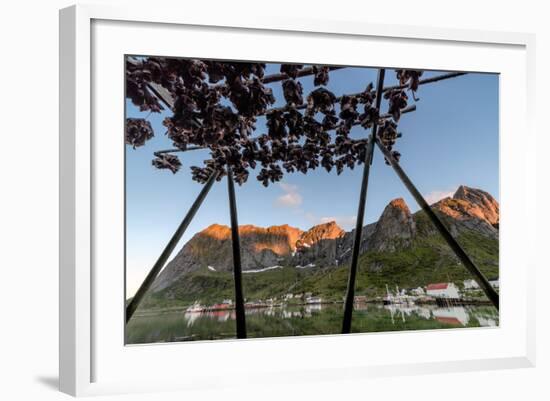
[[289, 199]]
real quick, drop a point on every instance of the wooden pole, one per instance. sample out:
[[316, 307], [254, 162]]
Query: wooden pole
[[425, 81], [301, 73], [350, 294], [153, 273], [437, 78], [187, 149], [480, 279], [237, 269]]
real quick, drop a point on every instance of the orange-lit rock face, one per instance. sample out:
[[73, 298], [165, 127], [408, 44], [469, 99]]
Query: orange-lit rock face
[[282, 240], [471, 204], [329, 230], [399, 203], [478, 203], [278, 239], [217, 231]]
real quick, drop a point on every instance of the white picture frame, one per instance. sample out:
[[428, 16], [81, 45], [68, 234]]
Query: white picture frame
[[92, 363]]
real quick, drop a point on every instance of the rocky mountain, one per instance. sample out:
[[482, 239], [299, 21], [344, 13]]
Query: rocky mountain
[[320, 232], [395, 228], [472, 209], [211, 249], [399, 241]]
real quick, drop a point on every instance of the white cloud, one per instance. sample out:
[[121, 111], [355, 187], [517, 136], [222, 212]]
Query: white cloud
[[437, 195], [291, 197]]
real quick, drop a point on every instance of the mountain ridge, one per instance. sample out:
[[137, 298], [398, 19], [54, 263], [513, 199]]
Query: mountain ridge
[[468, 212]]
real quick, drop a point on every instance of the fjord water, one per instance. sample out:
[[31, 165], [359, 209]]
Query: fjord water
[[317, 319]]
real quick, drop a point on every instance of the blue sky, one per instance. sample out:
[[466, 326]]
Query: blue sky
[[451, 139]]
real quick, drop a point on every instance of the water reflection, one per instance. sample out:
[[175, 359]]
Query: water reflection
[[452, 315], [303, 311], [310, 319]]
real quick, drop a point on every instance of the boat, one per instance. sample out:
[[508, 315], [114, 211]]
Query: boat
[[388, 298], [398, 298]]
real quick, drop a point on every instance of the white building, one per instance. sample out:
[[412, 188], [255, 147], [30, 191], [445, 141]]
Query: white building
[[314, 300], [360, 299], [454, 316], [418, 291], [470, 285], [443, 290]]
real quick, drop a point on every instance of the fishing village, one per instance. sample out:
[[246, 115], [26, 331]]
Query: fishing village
[[441, 294]]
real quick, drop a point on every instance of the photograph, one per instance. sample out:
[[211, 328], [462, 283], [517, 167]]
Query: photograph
[[269, 199], [258, 202]]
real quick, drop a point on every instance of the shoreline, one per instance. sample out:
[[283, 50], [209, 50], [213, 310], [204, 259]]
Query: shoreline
[[440, 303]]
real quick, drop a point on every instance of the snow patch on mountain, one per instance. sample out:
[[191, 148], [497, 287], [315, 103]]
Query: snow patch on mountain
[[263, 270]]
